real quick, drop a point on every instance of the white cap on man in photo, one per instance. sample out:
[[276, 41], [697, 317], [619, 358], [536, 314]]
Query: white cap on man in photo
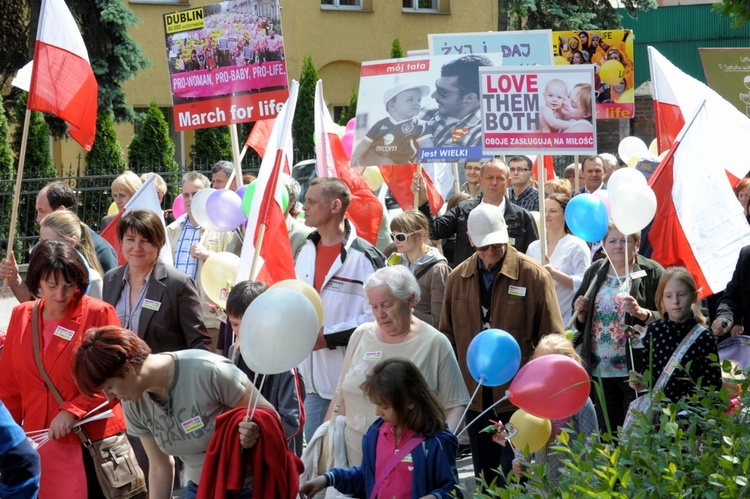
[[487, 226]]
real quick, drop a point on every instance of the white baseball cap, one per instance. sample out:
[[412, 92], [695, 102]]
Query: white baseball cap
[[401, 87], [487, 226]]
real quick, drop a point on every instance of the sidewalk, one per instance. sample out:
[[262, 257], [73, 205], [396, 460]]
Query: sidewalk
[[6, 306]]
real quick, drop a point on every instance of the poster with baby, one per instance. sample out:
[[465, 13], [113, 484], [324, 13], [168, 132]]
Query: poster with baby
[[226, 63], [419, 109], [538, 110], [610, 52]]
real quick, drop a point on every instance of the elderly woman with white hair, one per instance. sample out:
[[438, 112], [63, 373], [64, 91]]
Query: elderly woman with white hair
[[392, 293]]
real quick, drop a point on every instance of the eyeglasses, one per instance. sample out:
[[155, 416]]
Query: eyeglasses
[[402, 236], [518, 170], [443, 92], [493, 246]]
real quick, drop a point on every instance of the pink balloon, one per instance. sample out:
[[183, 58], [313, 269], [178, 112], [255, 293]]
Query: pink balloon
[[604, 196], [351, 125], [347, 141], [552, 386], [178, 206]]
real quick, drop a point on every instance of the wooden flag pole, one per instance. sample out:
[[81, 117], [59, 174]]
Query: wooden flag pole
[[577, 184], [17, 191], [421, 181], [542, 221], [236, 156], [456, 180]]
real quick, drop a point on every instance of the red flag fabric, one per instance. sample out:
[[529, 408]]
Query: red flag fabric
[[699, 223], [109, 233], [62, 81], [365, 211], [259, 135], [276, 262], [399, 177], [549, 169]]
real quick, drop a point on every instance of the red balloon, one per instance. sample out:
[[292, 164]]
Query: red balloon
[[552, 386]]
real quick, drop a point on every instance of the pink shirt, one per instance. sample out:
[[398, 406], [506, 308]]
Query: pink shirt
[[398, 483]]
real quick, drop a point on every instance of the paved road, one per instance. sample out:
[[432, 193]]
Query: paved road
[[6, 306]]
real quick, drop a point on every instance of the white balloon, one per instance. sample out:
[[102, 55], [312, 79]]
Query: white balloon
[[198, 209], [632, 146], [278, 330], [633, 207], [621, 177]]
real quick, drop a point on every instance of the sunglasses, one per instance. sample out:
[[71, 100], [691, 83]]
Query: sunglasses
[[494, 246], [402, 236]]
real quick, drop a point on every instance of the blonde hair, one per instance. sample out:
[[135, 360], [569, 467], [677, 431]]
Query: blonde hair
[[582, 94], [411, 221], [128, 183], [683, 275], [71, 230], [159, 183], [558, 344], [559, 186]]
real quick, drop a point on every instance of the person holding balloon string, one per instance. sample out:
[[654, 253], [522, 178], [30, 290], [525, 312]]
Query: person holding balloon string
[[612, 307], [584, 421], [408, 451]]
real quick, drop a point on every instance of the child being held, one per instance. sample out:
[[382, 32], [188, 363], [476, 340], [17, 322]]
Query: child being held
[[394, 140], [408, 451], [285, 391], [555, 93], [584, 421]]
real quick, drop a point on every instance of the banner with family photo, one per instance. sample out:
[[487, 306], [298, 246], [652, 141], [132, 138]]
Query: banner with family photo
[[518, 48], [728, 73], [610, 52], [538, 110], [422, 109], [226, 63]]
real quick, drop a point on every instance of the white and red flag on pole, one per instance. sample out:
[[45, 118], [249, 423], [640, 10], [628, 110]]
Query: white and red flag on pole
[[699, 223], [365, 211], [266, 217], [62, 81], [399, 179]]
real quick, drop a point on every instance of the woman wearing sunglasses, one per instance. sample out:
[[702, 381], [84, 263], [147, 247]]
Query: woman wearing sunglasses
[[410, 232]]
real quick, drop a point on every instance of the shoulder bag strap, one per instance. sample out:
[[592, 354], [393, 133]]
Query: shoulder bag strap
[[393, 462], [676, 357], [426, 269], [38, 358]]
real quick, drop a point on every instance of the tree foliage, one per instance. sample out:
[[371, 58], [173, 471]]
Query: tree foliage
[[737, 10], [563, 15], [349, 111], [303, 127], [152, 149], [105, 158], [211, 145], [396, 51], [7, 173]]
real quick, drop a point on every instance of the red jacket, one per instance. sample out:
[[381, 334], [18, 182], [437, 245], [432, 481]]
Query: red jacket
[[275, 468], [22, 387]]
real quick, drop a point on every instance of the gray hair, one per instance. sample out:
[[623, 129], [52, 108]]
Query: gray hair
[[223, 166], [398, 279], [193, 176], [609, 160]]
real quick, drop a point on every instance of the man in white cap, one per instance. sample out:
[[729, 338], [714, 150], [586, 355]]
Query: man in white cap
[[497, 287]]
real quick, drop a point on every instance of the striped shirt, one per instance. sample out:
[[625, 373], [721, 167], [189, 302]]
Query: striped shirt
[[189, 235]]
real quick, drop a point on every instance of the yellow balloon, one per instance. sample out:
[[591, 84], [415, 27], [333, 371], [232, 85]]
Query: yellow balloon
[[561, 61], [627, 96], [612, 72], [309, 293], [373, 177], [218, 275], [633, 162], [533, 432], [653, 148], [112, 210]]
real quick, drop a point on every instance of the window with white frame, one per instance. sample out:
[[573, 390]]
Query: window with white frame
[[421, 5], [341, 4]]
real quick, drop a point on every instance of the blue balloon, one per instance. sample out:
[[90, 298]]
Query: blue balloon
[[587, 218], [493, 357]]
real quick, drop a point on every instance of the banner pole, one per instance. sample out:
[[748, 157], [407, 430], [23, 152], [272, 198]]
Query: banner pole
[[456, 180], [542, 222], [577, 184], [421, 181], [235, 156]]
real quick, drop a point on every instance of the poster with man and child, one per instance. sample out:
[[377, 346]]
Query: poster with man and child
[[226, 63], [420, 109], [538, 110]]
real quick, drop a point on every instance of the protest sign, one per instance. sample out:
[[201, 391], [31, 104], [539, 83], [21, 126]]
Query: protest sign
[[225, 64], [518, 48], [728, 73], [538, 110], [424, 109], [610, 52]]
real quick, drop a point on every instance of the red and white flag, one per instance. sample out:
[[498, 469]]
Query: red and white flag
[[399, 179], [275, 260], [365, 211], [699, 223], [62, 81], [260, 137]]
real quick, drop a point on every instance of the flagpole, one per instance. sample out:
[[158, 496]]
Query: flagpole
[[274, 180], [577, 184], [236, 155], [542, 221], [421, 181], [17, 191], [456, 180]]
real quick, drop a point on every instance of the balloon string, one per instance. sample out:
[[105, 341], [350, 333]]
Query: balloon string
[[482, 414], [473, 395], [250, 402]]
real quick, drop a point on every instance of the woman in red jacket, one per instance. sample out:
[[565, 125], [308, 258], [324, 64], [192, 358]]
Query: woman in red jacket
[[58, 277]]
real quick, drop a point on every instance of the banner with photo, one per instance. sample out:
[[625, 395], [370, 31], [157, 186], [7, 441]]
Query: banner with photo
[[728, 73], [226, 64], [423, 109], [518, 48], [610, 52], [538, 110]]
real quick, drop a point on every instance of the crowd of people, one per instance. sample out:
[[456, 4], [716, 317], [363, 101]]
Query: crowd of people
[[389, 361]]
